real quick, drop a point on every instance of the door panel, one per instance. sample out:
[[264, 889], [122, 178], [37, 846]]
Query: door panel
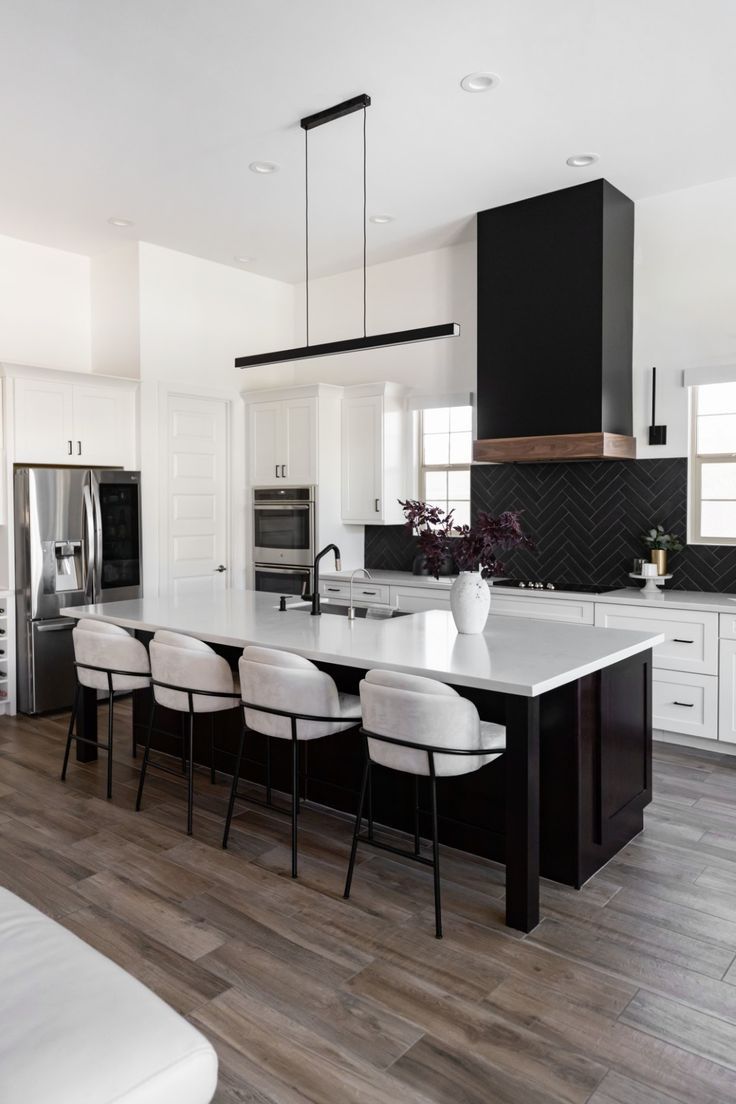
[[362, 453], [266, 446], [197, 495], [103, 420], [300, 427], [53, 664]]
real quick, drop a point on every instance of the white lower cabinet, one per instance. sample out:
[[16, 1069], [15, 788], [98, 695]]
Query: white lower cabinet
[[691, 636], [365, 593], [685, 703], [727, 692], [418, 599], [542, 609]]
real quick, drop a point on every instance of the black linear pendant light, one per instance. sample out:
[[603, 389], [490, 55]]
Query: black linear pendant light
[[374, 341]]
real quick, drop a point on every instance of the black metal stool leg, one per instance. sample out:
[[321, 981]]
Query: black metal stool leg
[[294, 799], [110, 723], [70, 733], [417, 847], [436, 863], [233, 788], [183, 746], [268, 771], [190, 773], [146, 752], [356, 829], [213, 773], [370, 801]]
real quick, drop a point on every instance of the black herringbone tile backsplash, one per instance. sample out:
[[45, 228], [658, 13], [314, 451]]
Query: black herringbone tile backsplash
[[586, 519]]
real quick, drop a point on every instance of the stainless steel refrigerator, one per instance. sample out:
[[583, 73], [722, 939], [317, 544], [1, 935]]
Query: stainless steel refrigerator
[[77, 541]]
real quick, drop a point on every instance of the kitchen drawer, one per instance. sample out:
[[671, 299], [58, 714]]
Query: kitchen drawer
[[728, 625], [418, 599], [684, 703], [365, 593], [692, 637], [542, 609]]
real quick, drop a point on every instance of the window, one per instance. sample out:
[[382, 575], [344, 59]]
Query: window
[[446, 443], [713, 464]]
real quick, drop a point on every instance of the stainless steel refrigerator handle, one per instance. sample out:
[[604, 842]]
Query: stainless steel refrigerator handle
[[90, 540], [98, 537]]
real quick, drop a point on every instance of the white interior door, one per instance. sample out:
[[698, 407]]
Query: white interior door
[[196, 543]]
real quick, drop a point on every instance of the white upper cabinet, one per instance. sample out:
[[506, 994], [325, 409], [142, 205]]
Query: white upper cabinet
[[373, 455], [63, 422], [282, 442], [44, 422]]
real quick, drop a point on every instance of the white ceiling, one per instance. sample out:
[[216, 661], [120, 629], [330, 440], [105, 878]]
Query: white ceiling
[[153, 109]]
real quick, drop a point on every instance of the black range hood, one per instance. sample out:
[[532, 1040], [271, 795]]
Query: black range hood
[[555, 315]]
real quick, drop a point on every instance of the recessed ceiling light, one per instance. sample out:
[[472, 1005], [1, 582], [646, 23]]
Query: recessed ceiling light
[[120, 222], [480, 82], [244, 260], [263, 167], [582, 160], [381, 220]]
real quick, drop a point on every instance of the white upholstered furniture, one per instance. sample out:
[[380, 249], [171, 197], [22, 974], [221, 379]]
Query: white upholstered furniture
[[107, 658], [421, 727], [297, 702], [76, 1029], [189, 677]]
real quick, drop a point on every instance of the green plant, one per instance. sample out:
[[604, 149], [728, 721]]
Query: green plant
[[657, 538]]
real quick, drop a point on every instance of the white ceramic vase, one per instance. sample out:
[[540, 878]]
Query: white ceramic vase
[[470, 600]]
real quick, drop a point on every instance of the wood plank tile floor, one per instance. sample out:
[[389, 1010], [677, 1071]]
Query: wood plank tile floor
[[624, 994]]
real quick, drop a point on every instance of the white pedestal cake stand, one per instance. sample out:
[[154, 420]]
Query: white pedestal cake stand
[[651, 582]]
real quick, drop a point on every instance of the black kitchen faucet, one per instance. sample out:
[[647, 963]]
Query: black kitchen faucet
[[316, 610]]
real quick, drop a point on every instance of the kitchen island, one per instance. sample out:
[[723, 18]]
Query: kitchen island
[[576, 702]]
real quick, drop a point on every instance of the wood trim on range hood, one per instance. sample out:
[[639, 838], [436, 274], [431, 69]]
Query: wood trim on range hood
[[563, 446]]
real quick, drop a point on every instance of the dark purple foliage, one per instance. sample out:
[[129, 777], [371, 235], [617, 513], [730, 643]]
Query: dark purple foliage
[[472, 547]]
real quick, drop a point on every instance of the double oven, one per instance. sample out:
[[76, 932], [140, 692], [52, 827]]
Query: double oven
[[284, 539]]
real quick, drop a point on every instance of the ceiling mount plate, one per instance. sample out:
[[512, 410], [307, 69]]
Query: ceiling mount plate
[[329, 114]]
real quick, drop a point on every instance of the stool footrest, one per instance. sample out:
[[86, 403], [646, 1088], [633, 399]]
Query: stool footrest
[[92, 743], [395, 850], [265, 804]]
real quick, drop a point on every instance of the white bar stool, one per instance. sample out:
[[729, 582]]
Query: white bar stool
[[422, 727], [189, 677], [106, 657], [270, 682]]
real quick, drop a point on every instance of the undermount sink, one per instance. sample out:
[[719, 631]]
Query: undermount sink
[[371, 612]]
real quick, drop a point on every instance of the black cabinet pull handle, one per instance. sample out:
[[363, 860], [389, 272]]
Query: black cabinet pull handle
[[677, 640], [69, 447], [378, 506], [79, 448], [276, 469], [685, 705], [369, 592], [333, 590]]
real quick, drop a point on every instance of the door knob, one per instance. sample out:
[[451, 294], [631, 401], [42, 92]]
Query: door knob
[[221, 568]]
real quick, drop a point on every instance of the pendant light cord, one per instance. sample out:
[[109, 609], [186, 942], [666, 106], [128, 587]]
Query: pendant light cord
[[306, 226], [365, 221]]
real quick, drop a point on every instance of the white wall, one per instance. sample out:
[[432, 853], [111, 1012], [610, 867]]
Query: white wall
[[115, 311], [427, 288], [684, 301], [44, 306], [196, 316]]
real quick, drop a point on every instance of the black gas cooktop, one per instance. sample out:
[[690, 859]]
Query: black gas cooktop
[[581, 588]]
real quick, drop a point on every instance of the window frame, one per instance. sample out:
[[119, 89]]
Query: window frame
[[696, 463], [424, 468]]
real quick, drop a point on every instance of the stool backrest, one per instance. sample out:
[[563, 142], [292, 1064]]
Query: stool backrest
[[280, 680], [184, 661], [418, 711], [100, 644]]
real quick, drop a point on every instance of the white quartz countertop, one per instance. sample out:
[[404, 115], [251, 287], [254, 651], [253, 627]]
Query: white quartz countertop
[[671, 599], [513, 655]]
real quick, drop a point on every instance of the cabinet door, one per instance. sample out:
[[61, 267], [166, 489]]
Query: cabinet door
[[104, 426], [362, 459], [691, 636], [300, 431], [419, 599], [727, 692], [44, 423], [265, 443]]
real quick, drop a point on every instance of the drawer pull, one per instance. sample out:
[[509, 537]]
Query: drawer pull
[[678, 640], [333, 590], [685, 705], [369, 592]]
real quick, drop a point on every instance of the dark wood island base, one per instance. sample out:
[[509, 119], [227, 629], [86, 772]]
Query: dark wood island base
[[590, 755]]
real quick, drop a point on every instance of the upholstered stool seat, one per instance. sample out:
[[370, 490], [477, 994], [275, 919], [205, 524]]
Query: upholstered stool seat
[[285, 696], [422, 727], [76, 1029], [189, 677], [108, 658]]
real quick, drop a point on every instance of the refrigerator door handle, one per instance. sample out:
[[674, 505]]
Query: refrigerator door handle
[[89, 543], [97, 515]]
